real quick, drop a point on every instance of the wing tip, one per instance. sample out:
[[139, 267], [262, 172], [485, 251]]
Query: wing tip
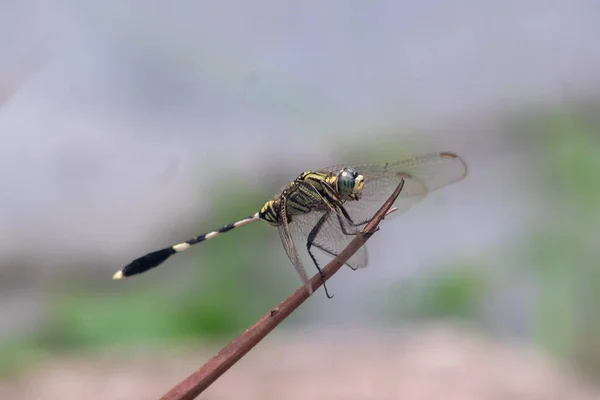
[[453, 156], [448, 154]]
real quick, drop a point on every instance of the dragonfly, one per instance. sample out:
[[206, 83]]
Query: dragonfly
[[325, 209]]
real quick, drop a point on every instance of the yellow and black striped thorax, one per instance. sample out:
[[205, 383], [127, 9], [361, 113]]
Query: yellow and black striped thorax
[[311, 191]]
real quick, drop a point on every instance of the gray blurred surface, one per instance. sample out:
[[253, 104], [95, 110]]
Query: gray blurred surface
[[113, 140]]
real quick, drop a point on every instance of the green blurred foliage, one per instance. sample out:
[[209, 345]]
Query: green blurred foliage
[[18, 354], [90, 318], [245, 277], [454, 292], [563, 249], [233, 281], [558, 255]]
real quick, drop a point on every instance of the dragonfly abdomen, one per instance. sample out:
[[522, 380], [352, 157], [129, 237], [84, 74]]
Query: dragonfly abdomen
[[270, 212], [154, 259]]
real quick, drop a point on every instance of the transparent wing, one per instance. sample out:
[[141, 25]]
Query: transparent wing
[[422, 175], [288, 244], [332, 236], [335, 232]]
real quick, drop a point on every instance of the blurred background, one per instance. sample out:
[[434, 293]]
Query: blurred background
[[126, 126]]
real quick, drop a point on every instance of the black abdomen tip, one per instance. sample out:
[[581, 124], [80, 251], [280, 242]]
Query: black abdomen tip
[[147, 262]]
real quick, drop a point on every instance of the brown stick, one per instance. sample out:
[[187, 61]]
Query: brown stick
[[196, 383]]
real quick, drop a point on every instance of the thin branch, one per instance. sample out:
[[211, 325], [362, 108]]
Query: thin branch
[[196, 383]]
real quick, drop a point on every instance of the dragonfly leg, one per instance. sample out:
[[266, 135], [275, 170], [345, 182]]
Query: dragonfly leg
[[343, 228], [309, 242], [350, 221]]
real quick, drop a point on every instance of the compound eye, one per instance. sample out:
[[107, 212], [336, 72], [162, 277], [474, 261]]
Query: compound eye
[[346, 180]]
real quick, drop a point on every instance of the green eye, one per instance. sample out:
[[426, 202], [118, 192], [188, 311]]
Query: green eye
[[346, 181]]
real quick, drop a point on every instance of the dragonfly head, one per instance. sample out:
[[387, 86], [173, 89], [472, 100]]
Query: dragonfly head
[[350, 183]]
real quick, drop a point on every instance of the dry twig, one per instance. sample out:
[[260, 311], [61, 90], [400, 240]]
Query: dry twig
[[196, 383]]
